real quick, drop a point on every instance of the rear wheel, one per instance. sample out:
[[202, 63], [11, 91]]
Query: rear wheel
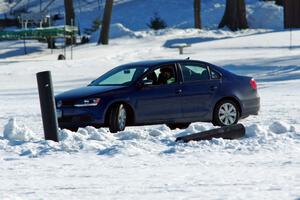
[[178, 125], [117, 119], [226, 113]]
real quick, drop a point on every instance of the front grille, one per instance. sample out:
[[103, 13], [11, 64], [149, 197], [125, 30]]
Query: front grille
[[75, 119], [68, 102]]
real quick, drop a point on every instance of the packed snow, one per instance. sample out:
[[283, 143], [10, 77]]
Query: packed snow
[[145, 162]]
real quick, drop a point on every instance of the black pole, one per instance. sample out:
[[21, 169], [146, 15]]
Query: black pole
[[24, 42], [227, 132], [47, 103], [72, 38]]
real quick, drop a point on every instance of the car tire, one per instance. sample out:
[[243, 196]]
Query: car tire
[[178, 125], [226, 113], [117, 119]]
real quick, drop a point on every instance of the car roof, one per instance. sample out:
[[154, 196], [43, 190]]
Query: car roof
[[157, 62]]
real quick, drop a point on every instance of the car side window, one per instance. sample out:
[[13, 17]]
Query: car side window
[[194, 72], [161, 76]]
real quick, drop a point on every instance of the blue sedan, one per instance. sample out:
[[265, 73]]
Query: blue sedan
[[172, 92]]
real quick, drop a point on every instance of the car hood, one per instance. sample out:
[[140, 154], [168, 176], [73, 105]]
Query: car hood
[[86, 92]]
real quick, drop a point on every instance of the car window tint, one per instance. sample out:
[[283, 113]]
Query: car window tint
[[194, 72]]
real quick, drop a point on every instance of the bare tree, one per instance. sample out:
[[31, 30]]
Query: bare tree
[[197, 14], [235, 15], [279, 2], [104, 35], [69, 17]]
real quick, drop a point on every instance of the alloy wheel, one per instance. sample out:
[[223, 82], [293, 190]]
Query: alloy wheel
[[122, 117], [227, 114]]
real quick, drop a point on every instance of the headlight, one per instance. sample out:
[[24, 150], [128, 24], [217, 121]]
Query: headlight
[[88, 102]]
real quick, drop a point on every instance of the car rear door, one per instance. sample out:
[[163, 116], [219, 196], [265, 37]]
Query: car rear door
[[158, 102], [198, 90]]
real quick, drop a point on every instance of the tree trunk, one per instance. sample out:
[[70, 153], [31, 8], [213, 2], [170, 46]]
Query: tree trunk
[[235, 15], [69, 18], [291, 14], [104, 35], [279, 2], [197, 14]]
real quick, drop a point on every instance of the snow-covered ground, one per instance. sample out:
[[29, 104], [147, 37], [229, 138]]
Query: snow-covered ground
[[145, 162]]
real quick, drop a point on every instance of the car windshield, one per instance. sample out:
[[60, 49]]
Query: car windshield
[[120, 76]]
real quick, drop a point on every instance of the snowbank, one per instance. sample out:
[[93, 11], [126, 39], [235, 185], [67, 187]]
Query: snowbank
[[265, 15], [13, 132], [144, 140], [116, 30]]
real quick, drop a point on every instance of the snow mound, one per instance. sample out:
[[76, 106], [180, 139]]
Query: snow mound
[[116, 30], [134, 141], [13, 132], [267, 11], [255, 130], [281, 127]]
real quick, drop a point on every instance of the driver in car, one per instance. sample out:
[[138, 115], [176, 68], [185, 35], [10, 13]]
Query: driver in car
[[166, 76]]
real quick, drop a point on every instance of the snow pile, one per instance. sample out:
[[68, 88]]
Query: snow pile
[[119, 30], [265, 15], [13, 132], [148, 140], [116, 31], [281, 127]]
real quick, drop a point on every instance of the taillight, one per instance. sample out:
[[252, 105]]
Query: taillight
[[253, 84]]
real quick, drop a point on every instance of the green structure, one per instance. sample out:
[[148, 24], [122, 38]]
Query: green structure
[[39, 33]]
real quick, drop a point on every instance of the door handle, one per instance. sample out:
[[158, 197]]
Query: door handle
[[179, 91], [213, 88]]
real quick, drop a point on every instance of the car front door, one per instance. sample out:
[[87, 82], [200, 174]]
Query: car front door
[[198, 89], [158, 99]]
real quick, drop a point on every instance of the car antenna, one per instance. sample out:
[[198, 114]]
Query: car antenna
[[187, 58]]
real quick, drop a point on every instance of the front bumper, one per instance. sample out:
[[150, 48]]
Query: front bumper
[[75, 117]]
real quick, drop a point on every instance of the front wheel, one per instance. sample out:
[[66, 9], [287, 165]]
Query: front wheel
[[226, 113], [117, 119]]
